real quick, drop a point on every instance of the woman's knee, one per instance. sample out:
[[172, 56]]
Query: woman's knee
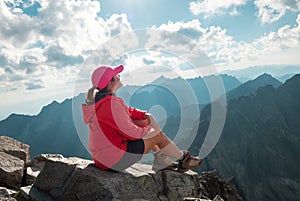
[[162, 138]]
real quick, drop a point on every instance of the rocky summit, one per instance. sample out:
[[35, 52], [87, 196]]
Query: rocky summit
[[50, 177]]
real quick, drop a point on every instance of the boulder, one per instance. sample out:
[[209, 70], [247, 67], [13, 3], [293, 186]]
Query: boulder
[[217, 188], [79, 179], [31, 193], [11, 170], [15, 148], [13, 157], [179, 185], [5, 195], [52, 177], [35, 166]]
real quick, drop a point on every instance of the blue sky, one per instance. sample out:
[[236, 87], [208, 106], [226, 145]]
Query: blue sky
[[44, 45], [147, 13]]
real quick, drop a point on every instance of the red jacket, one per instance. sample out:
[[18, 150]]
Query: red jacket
[[110, 128]]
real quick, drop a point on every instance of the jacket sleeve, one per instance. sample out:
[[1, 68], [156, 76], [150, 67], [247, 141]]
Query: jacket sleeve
[[136, 114], [120, 120]]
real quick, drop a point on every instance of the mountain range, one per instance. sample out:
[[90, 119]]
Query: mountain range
[[258, 145], [260, 142], [280, 72]]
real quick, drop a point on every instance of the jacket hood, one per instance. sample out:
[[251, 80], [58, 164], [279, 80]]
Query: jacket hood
[[89, 111]]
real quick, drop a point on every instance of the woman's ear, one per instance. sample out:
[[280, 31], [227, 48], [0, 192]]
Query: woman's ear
[[110, 85]]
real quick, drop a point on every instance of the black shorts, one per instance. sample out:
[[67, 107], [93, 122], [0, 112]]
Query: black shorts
[[134, 153]]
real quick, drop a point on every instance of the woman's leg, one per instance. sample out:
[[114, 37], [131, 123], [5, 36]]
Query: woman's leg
[[164, 144], [158, 139]]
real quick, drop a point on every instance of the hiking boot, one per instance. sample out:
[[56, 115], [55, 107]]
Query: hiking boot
[[188, 162], [162, 161]]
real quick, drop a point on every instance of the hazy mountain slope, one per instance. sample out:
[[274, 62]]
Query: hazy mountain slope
[[251, 86], [280, 72], [260, 143], [51, 131]]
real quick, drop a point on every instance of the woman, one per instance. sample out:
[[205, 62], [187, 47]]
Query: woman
[[121, 135]]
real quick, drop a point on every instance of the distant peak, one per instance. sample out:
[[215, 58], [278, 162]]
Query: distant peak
[[160, 79], [265, 75]]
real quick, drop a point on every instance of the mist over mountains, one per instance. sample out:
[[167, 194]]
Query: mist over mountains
[[259, 145], [280, 72]]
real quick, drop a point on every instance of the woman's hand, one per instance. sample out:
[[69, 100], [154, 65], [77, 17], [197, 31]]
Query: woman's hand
[[148, 118], [146, 121], [141, 123], [152, 122]]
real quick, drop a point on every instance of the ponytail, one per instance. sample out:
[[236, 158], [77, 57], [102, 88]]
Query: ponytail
[[90, 96], [94, 94]]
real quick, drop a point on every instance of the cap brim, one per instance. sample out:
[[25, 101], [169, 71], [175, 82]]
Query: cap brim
[[118, 69]]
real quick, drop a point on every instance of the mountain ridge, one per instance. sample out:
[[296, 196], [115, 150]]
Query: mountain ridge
[[53, 131], [260, 142]]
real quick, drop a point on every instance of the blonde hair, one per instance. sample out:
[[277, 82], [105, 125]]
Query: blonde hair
[[90, 95]]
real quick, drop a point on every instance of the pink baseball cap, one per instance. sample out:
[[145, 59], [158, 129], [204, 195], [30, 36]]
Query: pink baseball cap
[[103, 74]]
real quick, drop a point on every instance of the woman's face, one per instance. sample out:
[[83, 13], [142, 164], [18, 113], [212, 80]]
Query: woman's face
[[116, 83]]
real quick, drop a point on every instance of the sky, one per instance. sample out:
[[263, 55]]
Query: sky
[[49, 48]]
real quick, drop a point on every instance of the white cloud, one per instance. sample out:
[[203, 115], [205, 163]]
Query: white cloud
[[34, 84], [51, 46], [225, 52], [268, 11], [234, 12], [215, 7], [272, 10], [16, 29], [286, 37]]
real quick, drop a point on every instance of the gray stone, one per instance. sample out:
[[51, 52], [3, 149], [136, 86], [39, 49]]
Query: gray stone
[[195, 199], [93, 184], [55, 174], [5, 194], [180, 185], [53, 177], [218, 198], [11, 170], [15, 148], [33, 194], [35, 166], [75, 179], [31, 175]]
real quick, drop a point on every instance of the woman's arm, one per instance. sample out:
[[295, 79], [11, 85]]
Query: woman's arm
[[136, 114], [119, 118]]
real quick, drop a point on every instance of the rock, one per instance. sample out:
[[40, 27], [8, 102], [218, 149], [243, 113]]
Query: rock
[[31, 175], [35, 166], [179, 186], [33, 194], [218, 198], [77, 179], [5, 195], [217, 188], [13, 157], [56, 172], [51, 177], [15, 148], [11, 170], [195, 199]]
